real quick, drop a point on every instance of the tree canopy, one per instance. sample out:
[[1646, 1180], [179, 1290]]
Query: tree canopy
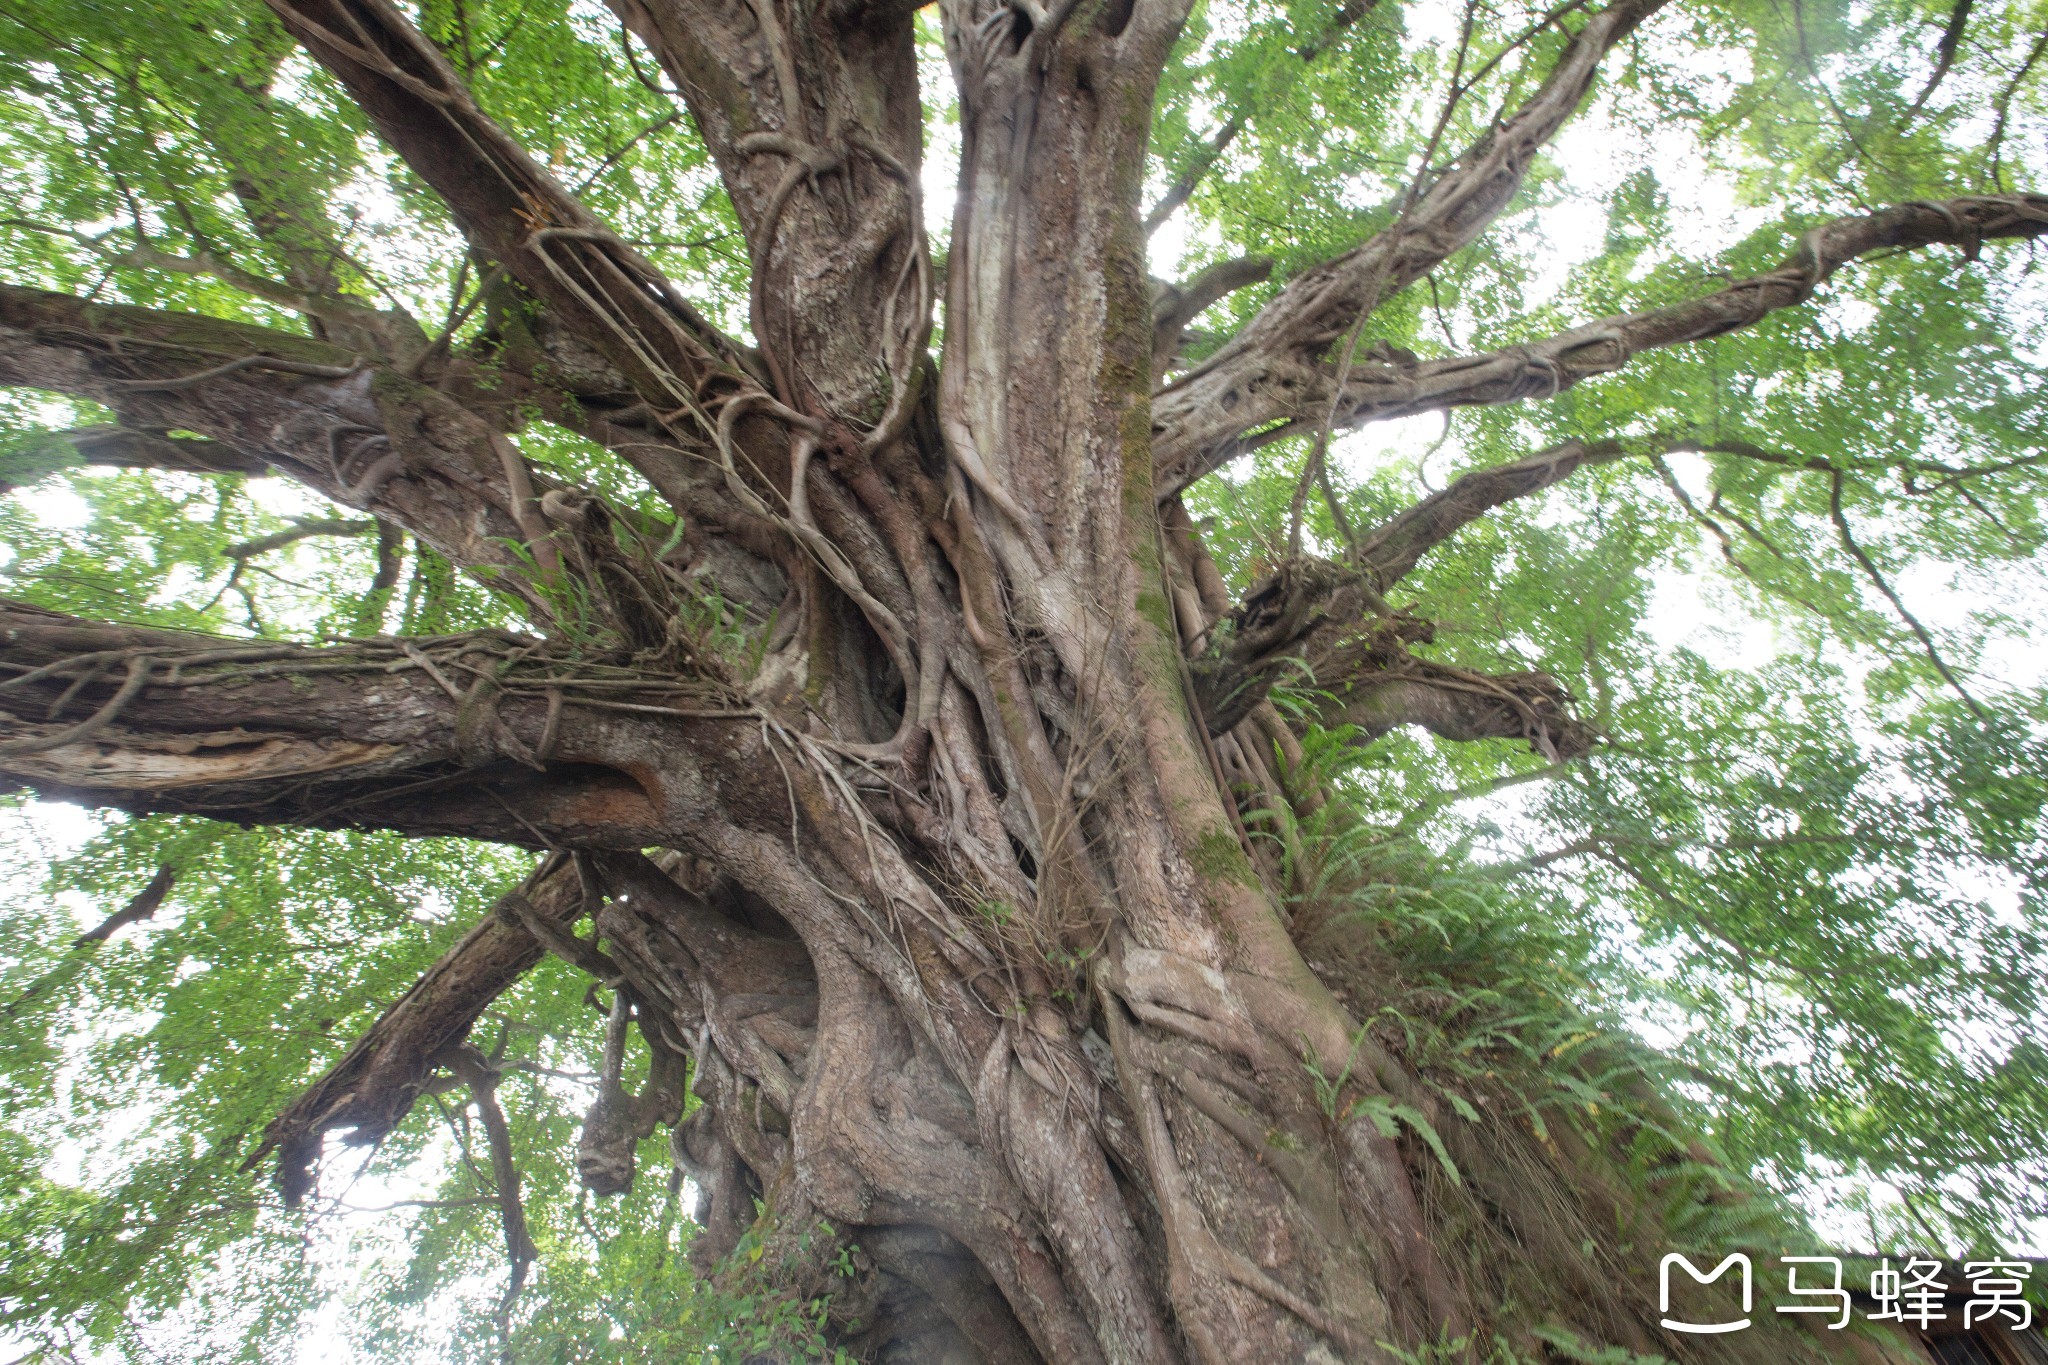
[[1692, 464]]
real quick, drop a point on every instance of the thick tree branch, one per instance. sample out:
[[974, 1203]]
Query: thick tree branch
[[1174, 306], [144, 905], [704, 408], [1944, 57], [510, 207], [442, 736], [362, 435], [1327, 624], [264, 399], [306, 528], [1380, 388], [816, 129], [750, 997], [349, 321], [1262, 374], [1331, 623], [1391, 549], [1460, 705], [374, 1084], [115, 447]]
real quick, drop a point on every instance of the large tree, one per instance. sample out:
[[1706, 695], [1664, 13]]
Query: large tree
[[962, 702]]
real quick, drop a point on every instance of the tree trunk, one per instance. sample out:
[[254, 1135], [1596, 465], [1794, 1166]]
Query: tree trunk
[[953, 932]]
